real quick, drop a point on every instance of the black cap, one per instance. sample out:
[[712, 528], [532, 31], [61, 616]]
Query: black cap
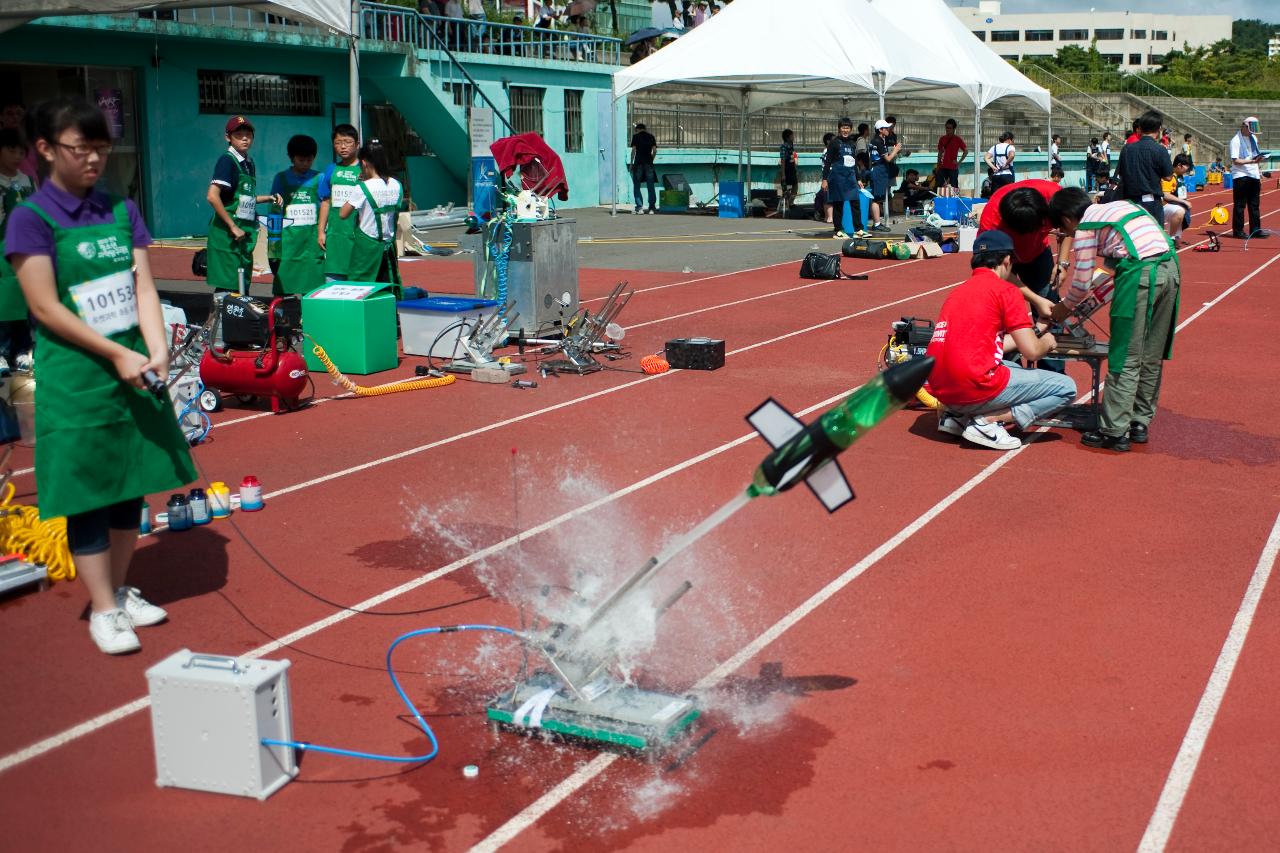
[[992, 241]]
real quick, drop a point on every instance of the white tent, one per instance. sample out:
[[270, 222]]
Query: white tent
[[762, 53], [341, 16]]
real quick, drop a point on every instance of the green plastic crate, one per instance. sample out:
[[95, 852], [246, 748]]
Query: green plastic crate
[[358, 335]]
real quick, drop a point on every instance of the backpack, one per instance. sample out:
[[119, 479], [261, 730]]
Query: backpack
[[875, 250]]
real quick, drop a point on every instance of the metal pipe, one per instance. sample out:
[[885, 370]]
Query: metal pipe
[[354, 68], [977, 138]]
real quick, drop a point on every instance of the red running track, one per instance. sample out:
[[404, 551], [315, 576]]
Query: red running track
[[984, 651]]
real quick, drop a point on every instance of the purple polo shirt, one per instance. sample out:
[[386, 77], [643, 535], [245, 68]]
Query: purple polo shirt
[[28, 234]]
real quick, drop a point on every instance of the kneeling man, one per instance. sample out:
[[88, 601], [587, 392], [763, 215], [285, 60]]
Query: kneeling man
[[982, 320]]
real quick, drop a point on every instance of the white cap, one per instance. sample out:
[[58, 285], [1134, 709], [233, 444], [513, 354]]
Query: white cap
[[881, 124]]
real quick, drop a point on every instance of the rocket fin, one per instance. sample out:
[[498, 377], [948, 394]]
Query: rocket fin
[[774, 423], [829, 486]]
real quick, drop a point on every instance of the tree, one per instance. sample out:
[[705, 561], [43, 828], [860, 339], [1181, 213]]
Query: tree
[[1252, 34]]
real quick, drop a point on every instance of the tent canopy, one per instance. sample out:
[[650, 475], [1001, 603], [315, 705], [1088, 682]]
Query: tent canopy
[[335, 14], [767, 53]]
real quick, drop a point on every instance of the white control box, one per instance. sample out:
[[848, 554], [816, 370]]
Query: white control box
[[209, 714]]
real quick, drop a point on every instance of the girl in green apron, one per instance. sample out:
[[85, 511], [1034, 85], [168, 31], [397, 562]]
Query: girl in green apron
[[301, 262], [338, 184], [102, 442], [373, 249], [232, 194]]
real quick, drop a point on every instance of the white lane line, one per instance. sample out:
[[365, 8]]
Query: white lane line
[[105, 719], [561, 792], [1184, 764], [576, 400], [1224, 294]]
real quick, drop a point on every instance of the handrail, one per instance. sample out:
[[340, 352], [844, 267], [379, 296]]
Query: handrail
[[1184, 103], [1125, 83], [1124, 120], [372, 10]]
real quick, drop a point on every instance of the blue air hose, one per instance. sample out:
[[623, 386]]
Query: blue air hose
[[395, 682]]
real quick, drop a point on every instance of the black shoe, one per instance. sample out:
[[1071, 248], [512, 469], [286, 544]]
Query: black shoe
[[1118, 443], [1260, 235], [1239, 235], [1138, 433]]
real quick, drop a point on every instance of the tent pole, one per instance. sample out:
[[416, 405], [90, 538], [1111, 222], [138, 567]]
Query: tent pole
[[977, 140], [742, 133], [354, 70]]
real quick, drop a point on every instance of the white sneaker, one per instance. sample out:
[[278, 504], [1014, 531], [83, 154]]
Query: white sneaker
[[989, 434], [113, 632], [949, 423], [4, 366], [141, 612], [24, 361]]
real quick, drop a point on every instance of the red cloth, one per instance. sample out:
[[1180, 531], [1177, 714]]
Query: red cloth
[[1133, 137], [527, 151], [1026, 247], [968, 339], [949, 151]]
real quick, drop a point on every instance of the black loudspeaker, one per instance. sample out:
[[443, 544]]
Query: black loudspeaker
[[675, 181], [695, 354]]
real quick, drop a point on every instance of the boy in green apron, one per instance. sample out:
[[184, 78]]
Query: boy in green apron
[[1144, 305], [102, 442], [233, 195], [15, 186], [373, 249], [301, 263], [338, 185]]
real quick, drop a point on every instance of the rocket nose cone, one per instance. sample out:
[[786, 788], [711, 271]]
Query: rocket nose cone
[[904, 380]]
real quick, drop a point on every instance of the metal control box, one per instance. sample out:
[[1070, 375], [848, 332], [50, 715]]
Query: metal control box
[[209, 714], [541, 269]]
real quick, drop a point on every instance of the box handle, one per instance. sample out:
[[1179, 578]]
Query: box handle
[[213, 662]]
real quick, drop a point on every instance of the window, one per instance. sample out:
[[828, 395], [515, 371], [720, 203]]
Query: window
[[1108, 35], [1039, 35], [1139, 34], [526, 109], [1073, 35], [462, 93], [573, 120], [263, 94], [1004, 35], [1135, 59], [981, 34], [1113, 58], [1162, 35], [1155, 59]]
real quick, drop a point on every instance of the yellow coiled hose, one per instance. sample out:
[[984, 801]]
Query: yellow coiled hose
[[44, 542], [377, 390]]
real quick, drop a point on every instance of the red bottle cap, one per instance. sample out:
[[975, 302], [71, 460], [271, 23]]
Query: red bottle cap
[[250, 481]]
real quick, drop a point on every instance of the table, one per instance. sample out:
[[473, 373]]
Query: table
[[1082, 416]]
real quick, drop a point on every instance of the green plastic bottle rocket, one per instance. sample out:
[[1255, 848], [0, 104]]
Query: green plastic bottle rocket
[[800, 451]]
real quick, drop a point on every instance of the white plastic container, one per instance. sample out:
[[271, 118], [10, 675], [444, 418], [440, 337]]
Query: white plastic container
[[422, 321]]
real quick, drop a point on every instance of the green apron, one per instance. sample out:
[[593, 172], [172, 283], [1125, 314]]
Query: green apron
[[226, 256], [12, 305], [1124, 298], [340, 232], [368, 254], [99, 441], [301, 258]]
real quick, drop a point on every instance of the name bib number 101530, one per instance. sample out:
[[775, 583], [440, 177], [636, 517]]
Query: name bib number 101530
[[108, 304]]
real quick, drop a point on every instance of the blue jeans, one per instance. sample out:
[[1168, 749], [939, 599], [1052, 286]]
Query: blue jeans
[[1030, 395], [644, 173]]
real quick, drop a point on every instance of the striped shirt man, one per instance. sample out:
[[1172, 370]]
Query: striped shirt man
[[1147, 235]]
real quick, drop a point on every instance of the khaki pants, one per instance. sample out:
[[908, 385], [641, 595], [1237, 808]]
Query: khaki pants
[[1132, 393]]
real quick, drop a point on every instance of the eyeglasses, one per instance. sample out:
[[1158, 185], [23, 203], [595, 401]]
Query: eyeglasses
[[82, 151]]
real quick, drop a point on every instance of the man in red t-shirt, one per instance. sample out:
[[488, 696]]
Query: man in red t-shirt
[[1021, 210], [982, 320], [951, 152]]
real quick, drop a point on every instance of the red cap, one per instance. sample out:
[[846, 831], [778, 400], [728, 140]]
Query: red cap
[[236, 122]]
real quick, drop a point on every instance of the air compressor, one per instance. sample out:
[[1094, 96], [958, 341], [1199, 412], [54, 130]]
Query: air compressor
[[258, 356]]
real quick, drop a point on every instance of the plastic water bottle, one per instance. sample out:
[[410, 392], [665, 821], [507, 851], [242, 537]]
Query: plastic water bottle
[[219, 500], [199, 506], [251, 494], [144, 526], [179, 513]]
